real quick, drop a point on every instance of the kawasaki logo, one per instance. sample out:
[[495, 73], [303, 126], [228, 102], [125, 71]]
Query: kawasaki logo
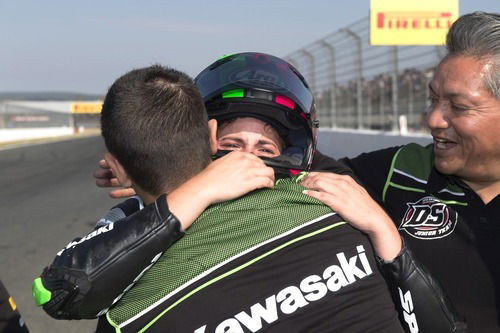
[[94, 233], [429, 218], [292, 298]]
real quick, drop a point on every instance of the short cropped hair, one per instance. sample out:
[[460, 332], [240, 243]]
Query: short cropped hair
[[154, 122], [478, 35]]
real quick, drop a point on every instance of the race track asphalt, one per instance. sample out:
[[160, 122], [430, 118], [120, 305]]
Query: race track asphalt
[[47, 198]]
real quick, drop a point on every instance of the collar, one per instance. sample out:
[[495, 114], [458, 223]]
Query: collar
[[438, 181]]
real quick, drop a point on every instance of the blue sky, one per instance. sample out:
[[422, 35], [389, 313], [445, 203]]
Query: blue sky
[[83, 46]]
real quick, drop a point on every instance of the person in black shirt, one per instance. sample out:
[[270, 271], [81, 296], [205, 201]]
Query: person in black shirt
[[445, 198]]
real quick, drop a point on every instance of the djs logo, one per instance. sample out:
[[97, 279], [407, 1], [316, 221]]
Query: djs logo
[[428, 218]]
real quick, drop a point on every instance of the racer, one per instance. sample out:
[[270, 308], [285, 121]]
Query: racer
[[304, 160]]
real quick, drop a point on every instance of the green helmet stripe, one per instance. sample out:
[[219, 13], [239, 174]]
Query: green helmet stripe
[[233, 93]]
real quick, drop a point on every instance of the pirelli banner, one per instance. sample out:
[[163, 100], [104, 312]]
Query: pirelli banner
[[411, 22], [86, 108]]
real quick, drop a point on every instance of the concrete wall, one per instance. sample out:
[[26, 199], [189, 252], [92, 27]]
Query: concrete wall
[[340, 143], [333, 142], [19, 134]]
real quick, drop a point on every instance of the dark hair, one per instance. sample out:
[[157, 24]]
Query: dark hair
[[478, 35], [154, 122]]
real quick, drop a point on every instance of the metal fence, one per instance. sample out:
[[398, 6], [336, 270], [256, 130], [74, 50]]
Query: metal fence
[[360, 86]]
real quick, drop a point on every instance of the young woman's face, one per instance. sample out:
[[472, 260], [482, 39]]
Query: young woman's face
[[249, 135]]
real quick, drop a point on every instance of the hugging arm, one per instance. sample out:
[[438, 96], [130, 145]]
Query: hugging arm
[[421, 302], [92, 272]]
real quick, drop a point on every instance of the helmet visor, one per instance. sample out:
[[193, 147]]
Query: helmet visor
[[254, 71]]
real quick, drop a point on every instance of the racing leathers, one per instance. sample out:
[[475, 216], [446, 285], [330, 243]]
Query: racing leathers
[[274, 260], [89, 274], [421, 303]]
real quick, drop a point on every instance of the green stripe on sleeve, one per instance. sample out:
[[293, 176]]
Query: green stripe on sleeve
[[389, 175]]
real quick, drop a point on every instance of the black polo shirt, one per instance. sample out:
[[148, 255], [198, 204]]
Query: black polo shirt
[[446, 224]]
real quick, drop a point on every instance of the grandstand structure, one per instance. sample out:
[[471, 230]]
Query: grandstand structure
[[360, 86], [36, 114], [28, 119]]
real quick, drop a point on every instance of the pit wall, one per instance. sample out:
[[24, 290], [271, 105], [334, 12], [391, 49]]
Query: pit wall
[[349, 143]]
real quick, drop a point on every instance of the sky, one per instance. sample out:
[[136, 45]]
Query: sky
[[83, 46]]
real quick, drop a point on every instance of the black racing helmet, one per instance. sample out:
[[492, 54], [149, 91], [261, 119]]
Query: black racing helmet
[[266, 87]]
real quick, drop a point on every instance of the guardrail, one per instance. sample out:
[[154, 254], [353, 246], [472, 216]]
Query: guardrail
[[360, 86]]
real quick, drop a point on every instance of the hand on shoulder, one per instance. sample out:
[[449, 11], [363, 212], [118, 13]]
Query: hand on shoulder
[[350, 200]]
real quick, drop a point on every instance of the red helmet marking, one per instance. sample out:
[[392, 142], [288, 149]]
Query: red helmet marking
[[285, 101]]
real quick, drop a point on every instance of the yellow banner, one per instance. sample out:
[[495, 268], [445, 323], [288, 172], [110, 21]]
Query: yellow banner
[[86, 107], [411, 22]]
